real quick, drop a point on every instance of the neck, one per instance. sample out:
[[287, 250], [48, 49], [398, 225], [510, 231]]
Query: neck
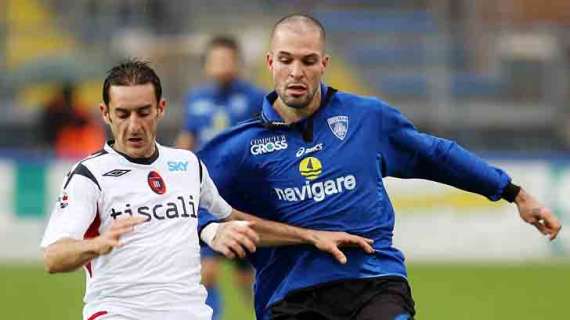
[[291, 115], [147, 155]]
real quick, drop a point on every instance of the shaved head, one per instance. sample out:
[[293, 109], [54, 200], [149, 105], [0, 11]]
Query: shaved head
[[297, 61], [300, 24]]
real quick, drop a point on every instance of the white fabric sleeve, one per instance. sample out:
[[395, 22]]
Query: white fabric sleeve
[[210, 198], [74, 211]]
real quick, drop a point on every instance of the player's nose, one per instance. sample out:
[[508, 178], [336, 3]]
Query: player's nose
[[296, 70], [134, 125]]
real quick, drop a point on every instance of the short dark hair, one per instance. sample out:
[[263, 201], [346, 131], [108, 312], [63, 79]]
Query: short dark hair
[[221, 41], [301, 17], [131, 72]]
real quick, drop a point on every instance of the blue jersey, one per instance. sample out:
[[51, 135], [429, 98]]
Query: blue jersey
[[211, 109], [325, 173]]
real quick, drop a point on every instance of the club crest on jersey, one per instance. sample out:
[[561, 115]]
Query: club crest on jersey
[[63, 200], [338, 126], [156, 183]]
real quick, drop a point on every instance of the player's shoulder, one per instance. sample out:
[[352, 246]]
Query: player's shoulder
[[172, 153], [89, 167], [199, 93], [352, 99], [249, 87], [367, 105], [243, 130], [95, 159], [234, 138]]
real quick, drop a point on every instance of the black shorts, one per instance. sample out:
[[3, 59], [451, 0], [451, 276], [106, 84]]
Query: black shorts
[[381, 298]]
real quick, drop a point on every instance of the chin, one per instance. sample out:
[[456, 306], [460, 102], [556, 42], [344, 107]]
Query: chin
[[297, 103]]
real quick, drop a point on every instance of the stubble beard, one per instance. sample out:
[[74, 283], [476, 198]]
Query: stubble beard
[[297, 103]]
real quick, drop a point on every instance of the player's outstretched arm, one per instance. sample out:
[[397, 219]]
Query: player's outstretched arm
[[69, 254], [533, 212], [226, 239]]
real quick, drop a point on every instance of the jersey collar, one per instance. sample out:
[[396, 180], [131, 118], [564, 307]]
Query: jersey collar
[[270, 116], [149, 160]]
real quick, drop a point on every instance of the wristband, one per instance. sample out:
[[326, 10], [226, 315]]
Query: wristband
[[511, 192], [209, 233]]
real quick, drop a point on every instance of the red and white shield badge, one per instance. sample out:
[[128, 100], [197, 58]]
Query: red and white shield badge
[[156, 183]]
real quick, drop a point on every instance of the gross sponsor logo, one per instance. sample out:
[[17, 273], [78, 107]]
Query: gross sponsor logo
[[156, 183], [305, 151], [267, 145], [338, 126], [177, 165], [310, 168]]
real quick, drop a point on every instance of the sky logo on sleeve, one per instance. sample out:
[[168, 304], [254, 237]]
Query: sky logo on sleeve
[[177, 165]]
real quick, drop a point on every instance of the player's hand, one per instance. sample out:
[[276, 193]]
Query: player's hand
[[109, 239], [330, 241], [235, 239], [533, 212]]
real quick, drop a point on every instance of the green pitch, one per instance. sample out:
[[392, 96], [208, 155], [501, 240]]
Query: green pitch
[[449, 291]]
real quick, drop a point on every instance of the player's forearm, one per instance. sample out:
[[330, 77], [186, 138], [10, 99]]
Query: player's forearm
[[68, 254], [273, 233]]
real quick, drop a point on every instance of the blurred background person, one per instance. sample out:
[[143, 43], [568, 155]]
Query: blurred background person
[[223, 102], [67, 129]]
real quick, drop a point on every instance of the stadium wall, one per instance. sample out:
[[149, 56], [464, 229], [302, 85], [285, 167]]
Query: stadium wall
[[434, 221]]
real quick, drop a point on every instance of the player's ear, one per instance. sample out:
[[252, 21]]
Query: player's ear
[[161, 108], [325, 62], [105, 113], [269, 60]]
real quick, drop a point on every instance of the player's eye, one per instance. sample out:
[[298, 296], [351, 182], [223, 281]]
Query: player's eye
[[310, 61], [285, 60], [122, 114]]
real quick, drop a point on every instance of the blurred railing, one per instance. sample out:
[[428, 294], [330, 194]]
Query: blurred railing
[[490, 74]]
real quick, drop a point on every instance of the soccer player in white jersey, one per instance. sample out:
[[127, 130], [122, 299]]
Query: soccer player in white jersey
[[128, 214]]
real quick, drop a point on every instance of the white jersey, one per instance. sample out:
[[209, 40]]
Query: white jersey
[[157, 270]]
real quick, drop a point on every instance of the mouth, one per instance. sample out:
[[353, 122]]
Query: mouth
[[296, 90], [135, 141]]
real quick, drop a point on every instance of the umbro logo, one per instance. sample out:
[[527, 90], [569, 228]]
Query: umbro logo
[[116, 172]]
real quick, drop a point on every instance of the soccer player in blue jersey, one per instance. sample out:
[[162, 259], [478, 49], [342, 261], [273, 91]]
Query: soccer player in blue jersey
[[315, 158], [223, 102]]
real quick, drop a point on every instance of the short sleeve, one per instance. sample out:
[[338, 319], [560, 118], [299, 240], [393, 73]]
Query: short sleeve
[[197, 110], [75, 209], [210, 198]]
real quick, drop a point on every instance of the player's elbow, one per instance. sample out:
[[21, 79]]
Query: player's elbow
[[50, 261]]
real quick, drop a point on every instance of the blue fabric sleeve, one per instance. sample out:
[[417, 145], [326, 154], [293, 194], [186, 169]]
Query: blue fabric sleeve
[[193, 122], [217, 156], [412, 154]]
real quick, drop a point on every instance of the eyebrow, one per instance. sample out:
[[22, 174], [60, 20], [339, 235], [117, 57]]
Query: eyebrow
[[146, 106], [288, 54]]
